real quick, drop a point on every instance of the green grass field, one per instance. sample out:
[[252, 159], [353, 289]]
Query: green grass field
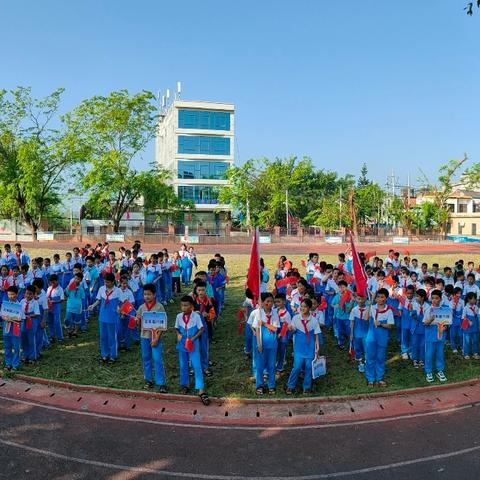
[[77, 360]]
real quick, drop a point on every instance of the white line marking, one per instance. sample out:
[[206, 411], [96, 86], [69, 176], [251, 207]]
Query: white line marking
[[240, 427], [359, 471]]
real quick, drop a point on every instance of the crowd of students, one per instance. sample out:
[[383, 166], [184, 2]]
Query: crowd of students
[[119, 287], [402, 304], [420, 309]]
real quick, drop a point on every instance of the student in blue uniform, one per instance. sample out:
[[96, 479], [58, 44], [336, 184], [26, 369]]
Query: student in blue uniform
[[265, 324], [381, 321], [108, 297], [30, 326], [75, 294], [285, 334], [189, 328], [247, 308], [406, 310], [55, 299], [417, 328], [359, 323], [470, 329], [435, 336], [151, 343], [457, 305], [306, 346], [12, 333]]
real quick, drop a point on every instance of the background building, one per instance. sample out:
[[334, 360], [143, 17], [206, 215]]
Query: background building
[[195, 143]]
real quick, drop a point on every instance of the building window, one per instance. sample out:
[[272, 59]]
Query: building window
[[199, 194], [199, 144], [462, 208], [460, 229], [204, 119], [474, 228], [476, 207], [451, 207], [205, 169]]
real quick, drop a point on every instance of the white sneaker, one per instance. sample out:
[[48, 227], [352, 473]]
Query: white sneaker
[[405, 356], [467, 357], [429, 378], [476, 356], [455, 351], [441, 376]]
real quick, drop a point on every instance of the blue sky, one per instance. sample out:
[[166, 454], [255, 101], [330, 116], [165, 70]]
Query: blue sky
[[390, 83]]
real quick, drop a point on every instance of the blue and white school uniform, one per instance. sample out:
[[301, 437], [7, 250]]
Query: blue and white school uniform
[[359, 317], [153, 275], [57, 269], [248, 334], [188, 325], [470, 334], [305, 332], [125, 333], [471, 288], [67, 269], [417, 329], [284, 317], [108, 321], [31, 310], [310, 271], [376, 343], [17, 281], [406, 323], [42, 340], [75, 303], [266, 359], [456, 334], [319, 315], [12, 341], [434, 345], [152, 356], [90, 277], [22, 258], [331, 289], [54, 298], [10, 259], [394, 301]]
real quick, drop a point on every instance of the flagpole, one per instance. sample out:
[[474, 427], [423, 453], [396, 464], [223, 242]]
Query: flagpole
[[286, 210]]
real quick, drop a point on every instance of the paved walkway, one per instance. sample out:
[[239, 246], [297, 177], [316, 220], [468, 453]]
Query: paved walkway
[[55, 433]]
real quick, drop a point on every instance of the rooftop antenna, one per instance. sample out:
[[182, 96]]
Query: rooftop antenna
[[179, 89], [164, 102], [167, 96]]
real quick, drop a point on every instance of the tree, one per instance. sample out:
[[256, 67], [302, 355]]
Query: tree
[[363, 180], [35, 159], [469, 7], [440, 191], [113, 132]]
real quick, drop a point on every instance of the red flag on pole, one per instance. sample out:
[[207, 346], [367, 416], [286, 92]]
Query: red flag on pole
[[253, 276], [358, 270]]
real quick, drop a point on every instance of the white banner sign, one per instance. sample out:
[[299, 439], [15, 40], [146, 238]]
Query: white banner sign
[[115, 237]]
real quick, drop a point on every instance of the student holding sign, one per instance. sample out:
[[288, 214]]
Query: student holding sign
[[381, 321], [152, 319], [12, 315], [31, 310], [189, 328], [435, 335]]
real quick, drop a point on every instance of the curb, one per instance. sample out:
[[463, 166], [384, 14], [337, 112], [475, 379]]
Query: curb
[[245, 401]]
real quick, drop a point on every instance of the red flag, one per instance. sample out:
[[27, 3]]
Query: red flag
[[465, 324], [132, 322], [287, 281], [253, 276], [126, 308], [189, 345], [351, 351], [283, 331], [358, 270], [304, 265]]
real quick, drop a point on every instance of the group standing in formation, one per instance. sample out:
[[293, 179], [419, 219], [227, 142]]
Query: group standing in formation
[[420, 308], [123, 288]]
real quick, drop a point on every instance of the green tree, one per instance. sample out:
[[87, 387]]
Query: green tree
[[113, 131], [438, 192], [368, 201], [35, 159], [363, 180]]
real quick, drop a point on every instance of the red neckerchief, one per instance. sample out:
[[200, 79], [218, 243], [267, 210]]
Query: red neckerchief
[[307, 333], [421, 309], [472, 308], [150, 306], [377, 312], [269, 318], [409, 307], [186, 320], [282, 313], [107, 296], [361, 310], [13, 280]]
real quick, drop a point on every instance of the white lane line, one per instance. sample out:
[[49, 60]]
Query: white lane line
[[240, 427], [152, 471]]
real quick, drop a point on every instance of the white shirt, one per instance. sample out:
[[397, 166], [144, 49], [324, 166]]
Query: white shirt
[[312, 324], [471, 288], [355, 313], [42, 299], [319, 316], [103, 295], [56, 292], [125, 295], [195, 321], [33, 307], [256, 317], [385, 316]]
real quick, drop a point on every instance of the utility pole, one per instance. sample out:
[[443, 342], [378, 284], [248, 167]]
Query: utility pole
[[248, 211]]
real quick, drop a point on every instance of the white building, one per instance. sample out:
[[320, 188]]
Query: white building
[[195, 143]]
